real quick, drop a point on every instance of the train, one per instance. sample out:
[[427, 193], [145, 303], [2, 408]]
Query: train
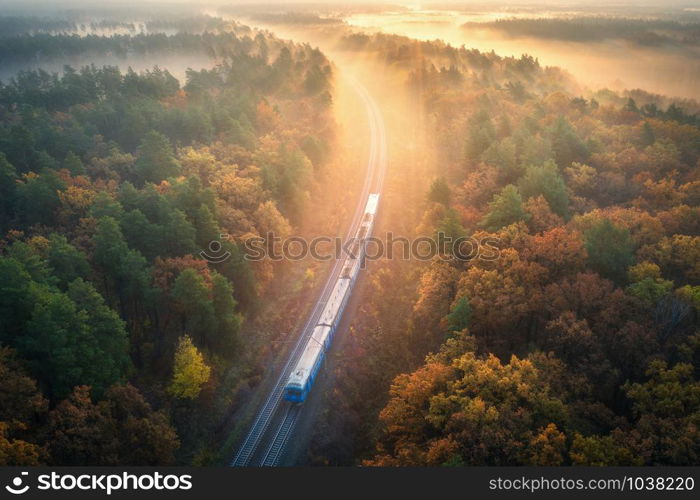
[[307, 367]]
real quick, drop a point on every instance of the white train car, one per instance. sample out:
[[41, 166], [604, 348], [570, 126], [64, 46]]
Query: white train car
[[304, 374]]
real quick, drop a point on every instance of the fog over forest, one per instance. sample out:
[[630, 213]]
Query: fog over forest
[[643, 59]]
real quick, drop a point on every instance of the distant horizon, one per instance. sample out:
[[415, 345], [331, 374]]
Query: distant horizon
[[28, 4]]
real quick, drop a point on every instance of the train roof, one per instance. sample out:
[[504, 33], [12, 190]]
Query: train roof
[[334, 301], [308, 358], [372, 202], [315, 344]]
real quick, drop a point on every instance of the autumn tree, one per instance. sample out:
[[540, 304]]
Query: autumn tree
[[190, 371], [678, 256], [603, 451], [541, 217], [667, 408], [435, 294], [546, 448], [21, 406], [122, 429], [471, 411], [647, 283], [16, 451]]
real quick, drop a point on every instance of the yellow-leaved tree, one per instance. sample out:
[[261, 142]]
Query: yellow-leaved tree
[[190, 371]]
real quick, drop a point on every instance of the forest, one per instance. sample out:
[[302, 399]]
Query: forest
[[46, 47], [13, 26], [120, 342], [580, 344], [649, 32]]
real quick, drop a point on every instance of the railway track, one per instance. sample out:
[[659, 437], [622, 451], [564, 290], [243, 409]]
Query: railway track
[[262, 432], [274, 451]]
